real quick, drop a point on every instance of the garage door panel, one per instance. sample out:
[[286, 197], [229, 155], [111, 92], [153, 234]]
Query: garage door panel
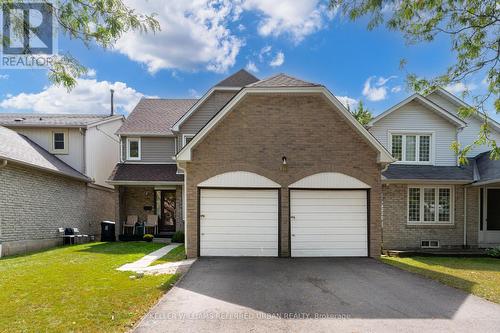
[[345, 252], [238, 222], [328, 223], [321, 194]]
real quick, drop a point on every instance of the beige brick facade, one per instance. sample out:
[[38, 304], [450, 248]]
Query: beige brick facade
[[307, 129], [397, 234], [34, 204]]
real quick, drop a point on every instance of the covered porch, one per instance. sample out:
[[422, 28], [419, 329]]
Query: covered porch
[[150, 199]]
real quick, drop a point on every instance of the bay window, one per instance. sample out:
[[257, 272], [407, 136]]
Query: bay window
[[430, 205], [411, 148]]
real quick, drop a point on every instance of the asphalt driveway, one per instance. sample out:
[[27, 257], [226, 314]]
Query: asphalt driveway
[[324, 294]]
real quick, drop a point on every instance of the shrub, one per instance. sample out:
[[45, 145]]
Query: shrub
[[494, 252], [178, 237], [148, 237]]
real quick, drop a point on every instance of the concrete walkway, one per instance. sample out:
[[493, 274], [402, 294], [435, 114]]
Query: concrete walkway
[[143, 265]]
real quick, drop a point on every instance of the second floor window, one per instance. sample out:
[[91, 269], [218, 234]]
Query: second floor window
[[411, 148], [133, 149], [59, 142]]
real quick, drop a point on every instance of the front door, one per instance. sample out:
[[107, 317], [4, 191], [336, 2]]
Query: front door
[[167, 211], [490, 231]]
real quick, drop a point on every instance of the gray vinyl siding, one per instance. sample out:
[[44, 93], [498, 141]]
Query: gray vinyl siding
[[153, 149], [206, 111], [416, 117], [470, 133]]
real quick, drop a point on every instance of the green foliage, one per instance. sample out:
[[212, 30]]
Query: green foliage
[[362, 115], [148, 237], [474, 30], [93, 22], [494, 252], [178, 237]]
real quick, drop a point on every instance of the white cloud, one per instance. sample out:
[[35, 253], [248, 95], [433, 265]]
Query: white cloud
[[459, 87], [264, 52], [89, 96], [374, 93], [251, 67], [91, 73], [193, 35], [383, 80], [396, 89], [348, 101], [4, 76], [297, 18], [278, 60], [193, 93]]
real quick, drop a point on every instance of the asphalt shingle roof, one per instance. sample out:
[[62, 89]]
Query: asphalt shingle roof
[[487, 168], [155, 116], [146, 172], [428, 172], [239, 79], [18, 148], [51, 120], [283, 80]]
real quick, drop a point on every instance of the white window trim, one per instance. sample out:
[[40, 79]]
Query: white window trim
[[53, 150], [128, 149], [432, 146], [186, 136], [436, 219]]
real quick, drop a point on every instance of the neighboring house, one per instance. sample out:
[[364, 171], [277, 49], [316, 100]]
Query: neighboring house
[[274, 167], [53, 174], [428, 199]]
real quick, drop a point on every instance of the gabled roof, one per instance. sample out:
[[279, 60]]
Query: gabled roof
[[155, 116], [125, 173], [384, 155], [460, 103], [283, 80], [19, 149], [239, 79], [421, 99], [53, 120]]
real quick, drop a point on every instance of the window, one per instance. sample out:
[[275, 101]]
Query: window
[[411, 148], [133, 149], [60, 142], [186, 138], [429, 205], [429, 244]]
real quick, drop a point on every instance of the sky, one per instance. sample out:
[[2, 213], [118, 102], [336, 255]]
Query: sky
[[203, 41]]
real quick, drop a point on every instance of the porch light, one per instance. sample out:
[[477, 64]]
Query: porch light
[[284, 160], [284, 165]]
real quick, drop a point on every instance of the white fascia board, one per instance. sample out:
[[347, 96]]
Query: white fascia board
[[424, 181], [108, 120], [436, 108], [384, 155], [457, 101], [142, 134], [177, 125]]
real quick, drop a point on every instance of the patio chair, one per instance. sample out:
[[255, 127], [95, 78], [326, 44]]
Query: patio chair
[[152, 222], [78, 235], [64, 236], [130, 223]]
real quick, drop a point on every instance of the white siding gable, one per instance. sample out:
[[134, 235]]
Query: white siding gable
[[469, 134], [416, 117]]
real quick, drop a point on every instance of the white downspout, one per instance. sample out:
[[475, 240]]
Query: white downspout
[[3, 164], [465, 216]]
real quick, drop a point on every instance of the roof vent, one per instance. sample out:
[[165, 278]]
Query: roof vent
[[19, 119]]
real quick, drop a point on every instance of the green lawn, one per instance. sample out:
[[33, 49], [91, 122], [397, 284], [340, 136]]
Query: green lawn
[[76, 288], [478, 276], [176, 254]]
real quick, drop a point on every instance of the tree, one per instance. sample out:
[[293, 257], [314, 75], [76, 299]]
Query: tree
[[362, 115], [93, 22], [474, 30]]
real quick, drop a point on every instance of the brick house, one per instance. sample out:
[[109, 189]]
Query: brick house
[[279, 167], [53, 172]]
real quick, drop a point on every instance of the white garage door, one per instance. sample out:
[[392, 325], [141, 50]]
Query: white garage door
[[238, 222], [328, 223]]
